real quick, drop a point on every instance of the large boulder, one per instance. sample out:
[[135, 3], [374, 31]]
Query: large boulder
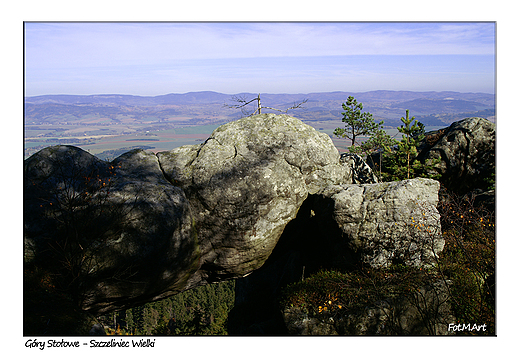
[[246, 182], [387, 223], [465, 152], [112, 234], [147, 226]]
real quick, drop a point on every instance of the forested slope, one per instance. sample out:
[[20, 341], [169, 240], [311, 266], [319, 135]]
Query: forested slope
[[199, 311]]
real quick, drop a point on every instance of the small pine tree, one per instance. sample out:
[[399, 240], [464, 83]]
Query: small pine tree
[[412, 133], [130, 324], [357, 123], [402, 163]]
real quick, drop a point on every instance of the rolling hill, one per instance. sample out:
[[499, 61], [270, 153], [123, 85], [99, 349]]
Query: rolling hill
[[109, 121]]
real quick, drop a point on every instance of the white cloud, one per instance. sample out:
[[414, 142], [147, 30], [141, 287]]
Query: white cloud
[[119, 57], [114, 43]]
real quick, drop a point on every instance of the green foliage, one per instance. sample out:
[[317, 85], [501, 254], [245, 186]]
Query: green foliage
[[407, 147], [199, 311], [333, 290], [491, 181], [357, 123], [402, 163], [398, 159]]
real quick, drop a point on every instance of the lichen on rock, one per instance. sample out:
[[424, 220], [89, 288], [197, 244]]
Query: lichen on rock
[[393, 222], [247, 181]]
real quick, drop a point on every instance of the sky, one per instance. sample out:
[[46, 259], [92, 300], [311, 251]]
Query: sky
[[155, 58]]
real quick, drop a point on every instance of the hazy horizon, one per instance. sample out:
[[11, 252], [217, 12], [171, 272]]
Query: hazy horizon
[[238, 93], [157, 58]]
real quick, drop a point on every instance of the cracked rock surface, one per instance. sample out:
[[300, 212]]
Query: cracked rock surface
[[246, 182], [147, 226], [385, 223], [116, 233], [466, 150]]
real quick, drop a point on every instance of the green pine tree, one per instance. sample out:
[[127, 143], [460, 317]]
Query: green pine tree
[[357, 123], [412, 133], [200, 311], [130, 324], [402, 163]]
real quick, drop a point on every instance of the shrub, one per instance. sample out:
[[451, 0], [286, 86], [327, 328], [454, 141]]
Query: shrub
[[468, 259], [332, 290]]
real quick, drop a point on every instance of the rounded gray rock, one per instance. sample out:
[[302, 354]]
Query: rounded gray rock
[[246, 182]]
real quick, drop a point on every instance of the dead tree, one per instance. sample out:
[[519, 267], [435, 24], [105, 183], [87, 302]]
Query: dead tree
[[243, 102]]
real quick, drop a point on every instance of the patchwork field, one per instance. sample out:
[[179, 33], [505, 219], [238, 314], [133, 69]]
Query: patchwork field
[[104, 143], [109, 125], [92, 141]]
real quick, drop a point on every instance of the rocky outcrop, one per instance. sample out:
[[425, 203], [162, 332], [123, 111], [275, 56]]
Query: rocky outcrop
[[145, 227], [386, 223], [264, 194], [246, 182], [466, 154]]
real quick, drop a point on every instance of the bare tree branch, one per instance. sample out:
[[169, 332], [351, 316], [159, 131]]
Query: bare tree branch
[[295, 106], [243, 102]]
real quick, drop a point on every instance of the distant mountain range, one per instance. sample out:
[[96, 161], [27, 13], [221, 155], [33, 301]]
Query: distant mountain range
[[432, 108], [208, 97]]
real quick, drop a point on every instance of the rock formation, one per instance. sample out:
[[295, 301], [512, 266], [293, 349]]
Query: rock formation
[[341, 226], [466, 151], [246, 182], [267, 194], [117, 233], [394, 222], [144, 226]]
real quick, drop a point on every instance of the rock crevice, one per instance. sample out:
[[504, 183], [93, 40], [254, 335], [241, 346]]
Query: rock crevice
[[154, 225]]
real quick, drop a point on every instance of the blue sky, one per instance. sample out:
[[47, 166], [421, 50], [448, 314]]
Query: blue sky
[[154, 58]]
